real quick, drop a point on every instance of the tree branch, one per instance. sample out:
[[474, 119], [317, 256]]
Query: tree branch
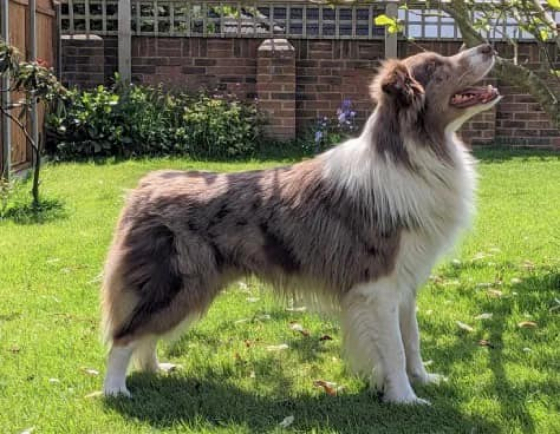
[[517, 75], [22, 127]]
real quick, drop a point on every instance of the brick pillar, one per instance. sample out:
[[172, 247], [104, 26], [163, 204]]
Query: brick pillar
[[276, 87], [83, 61]]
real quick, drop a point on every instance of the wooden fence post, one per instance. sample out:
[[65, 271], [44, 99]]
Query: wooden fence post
[[6, 161], [391, 39], [31, 58], [125, 41]]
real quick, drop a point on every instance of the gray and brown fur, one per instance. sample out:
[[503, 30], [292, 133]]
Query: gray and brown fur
[[183, 236]]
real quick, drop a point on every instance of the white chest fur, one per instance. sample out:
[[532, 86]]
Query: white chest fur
[[435, 200]]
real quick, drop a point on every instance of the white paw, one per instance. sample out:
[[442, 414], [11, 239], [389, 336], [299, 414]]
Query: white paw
[[426, 378], [116, 391], [168, 367]]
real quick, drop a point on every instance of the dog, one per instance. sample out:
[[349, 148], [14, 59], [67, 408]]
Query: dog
[[358, 227]]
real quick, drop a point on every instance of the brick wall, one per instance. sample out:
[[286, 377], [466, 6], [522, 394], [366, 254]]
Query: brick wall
[[326, 73], [83, 61], [197, 63], [88, 62]]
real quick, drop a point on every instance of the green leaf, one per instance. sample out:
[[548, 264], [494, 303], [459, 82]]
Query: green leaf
[[554, 4], [384, 20], [544, 34]]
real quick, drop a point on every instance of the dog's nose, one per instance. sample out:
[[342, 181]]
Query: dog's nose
[[487, 49]]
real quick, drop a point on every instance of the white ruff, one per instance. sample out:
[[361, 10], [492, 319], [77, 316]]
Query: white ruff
[[436, 197]]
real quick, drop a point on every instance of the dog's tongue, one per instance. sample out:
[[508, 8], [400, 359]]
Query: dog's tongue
[[474, 95]]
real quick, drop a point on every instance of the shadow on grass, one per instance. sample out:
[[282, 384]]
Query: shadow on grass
[[512, 393], [210, 401], [287, 152], [27, 214], [500, 154]]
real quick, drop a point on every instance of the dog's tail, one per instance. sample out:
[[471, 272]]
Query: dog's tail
[[142, 278], [117, 303]]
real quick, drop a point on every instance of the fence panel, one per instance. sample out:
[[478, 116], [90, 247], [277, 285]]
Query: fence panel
[[18, 15]]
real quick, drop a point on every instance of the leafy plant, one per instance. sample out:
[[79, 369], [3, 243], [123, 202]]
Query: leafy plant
[[37, 83], [128, 120]]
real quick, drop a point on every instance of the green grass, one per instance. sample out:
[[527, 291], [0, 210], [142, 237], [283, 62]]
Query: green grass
[[230, 383]]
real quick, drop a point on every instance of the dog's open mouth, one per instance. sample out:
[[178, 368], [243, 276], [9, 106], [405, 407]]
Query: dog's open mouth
[[474, 95]]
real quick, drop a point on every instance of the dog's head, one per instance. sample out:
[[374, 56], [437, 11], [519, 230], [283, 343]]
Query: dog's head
[[437, 91]]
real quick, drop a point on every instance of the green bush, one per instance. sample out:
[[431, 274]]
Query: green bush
[[128, 121]]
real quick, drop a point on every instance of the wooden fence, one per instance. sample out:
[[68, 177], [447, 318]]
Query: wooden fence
[[18, 21]]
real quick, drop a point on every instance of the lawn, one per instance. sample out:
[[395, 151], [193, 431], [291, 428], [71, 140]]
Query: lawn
[[235, 378]]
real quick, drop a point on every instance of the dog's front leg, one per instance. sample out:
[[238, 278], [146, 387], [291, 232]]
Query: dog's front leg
[[373, 341], [411, 340]]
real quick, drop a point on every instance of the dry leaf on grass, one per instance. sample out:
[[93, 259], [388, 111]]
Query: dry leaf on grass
[[277, 347], [28, 430], [528, 265], [464, 326], [54, 380], [95, 394], [329, 387], [288, 420], [527, 324], [437, 279], [297, 327], [252, 299], [495, 293], [485, 343], [515, 280], [484, 316], [484, 285], [325, 338], [296, 309], [481, 255], [90, 371]]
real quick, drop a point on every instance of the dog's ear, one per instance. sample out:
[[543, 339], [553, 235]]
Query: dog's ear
[[396, 83]]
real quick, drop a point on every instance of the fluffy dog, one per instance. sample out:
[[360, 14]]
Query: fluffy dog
[[359, 226]]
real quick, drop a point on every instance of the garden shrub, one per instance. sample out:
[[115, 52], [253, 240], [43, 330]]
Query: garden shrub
[[127, 121]]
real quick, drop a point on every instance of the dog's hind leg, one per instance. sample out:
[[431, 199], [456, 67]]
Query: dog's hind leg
[[117, 366], [411, 339], [145, 356], [370, 318]]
